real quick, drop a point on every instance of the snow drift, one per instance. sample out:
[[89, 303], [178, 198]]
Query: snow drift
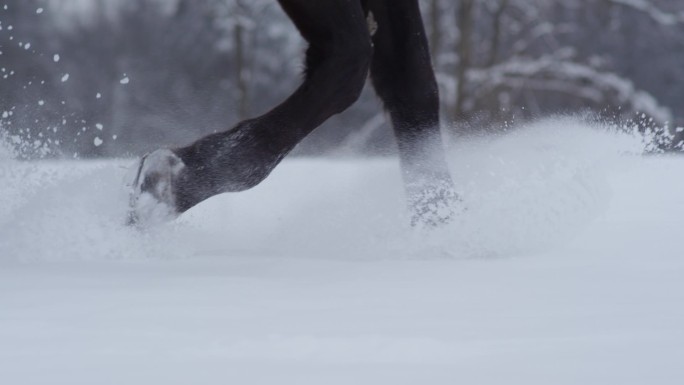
[[523, 192]]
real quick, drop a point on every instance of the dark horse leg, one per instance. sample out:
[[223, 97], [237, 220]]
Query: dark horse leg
[[170, 182], [403, 78]]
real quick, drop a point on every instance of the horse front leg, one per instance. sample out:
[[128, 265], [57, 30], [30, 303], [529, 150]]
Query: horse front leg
[[171, 181]]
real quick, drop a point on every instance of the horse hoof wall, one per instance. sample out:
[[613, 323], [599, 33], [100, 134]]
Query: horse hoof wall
[[151, 184]]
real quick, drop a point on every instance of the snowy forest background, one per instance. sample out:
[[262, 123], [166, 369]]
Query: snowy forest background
[[114, 78]]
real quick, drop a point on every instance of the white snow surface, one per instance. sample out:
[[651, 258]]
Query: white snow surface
[[565, 267]]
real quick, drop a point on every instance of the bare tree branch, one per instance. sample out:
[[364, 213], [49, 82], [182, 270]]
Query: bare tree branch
[[656, 14]]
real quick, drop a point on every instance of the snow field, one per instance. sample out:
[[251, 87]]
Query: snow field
[[565, 268]]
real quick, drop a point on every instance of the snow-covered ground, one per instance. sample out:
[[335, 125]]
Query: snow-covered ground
[[566, 267]]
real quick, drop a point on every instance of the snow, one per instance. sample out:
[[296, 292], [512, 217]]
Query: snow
[[566, 268]]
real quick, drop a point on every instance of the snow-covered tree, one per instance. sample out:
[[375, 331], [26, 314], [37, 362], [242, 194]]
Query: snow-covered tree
[[501, 60]]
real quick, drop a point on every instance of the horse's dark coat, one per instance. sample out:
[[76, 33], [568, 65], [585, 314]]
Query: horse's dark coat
[[341, 54]]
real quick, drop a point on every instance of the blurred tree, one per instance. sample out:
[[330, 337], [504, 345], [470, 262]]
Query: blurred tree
[[133, 75], [514, 59]]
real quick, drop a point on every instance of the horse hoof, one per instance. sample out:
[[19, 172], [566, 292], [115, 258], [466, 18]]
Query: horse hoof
[[433, 204], [151, 183]]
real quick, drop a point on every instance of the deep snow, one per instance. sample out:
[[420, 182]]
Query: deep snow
[[565, 268]]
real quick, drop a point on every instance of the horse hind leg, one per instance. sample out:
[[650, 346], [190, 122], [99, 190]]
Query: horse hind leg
[[402, 74]]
